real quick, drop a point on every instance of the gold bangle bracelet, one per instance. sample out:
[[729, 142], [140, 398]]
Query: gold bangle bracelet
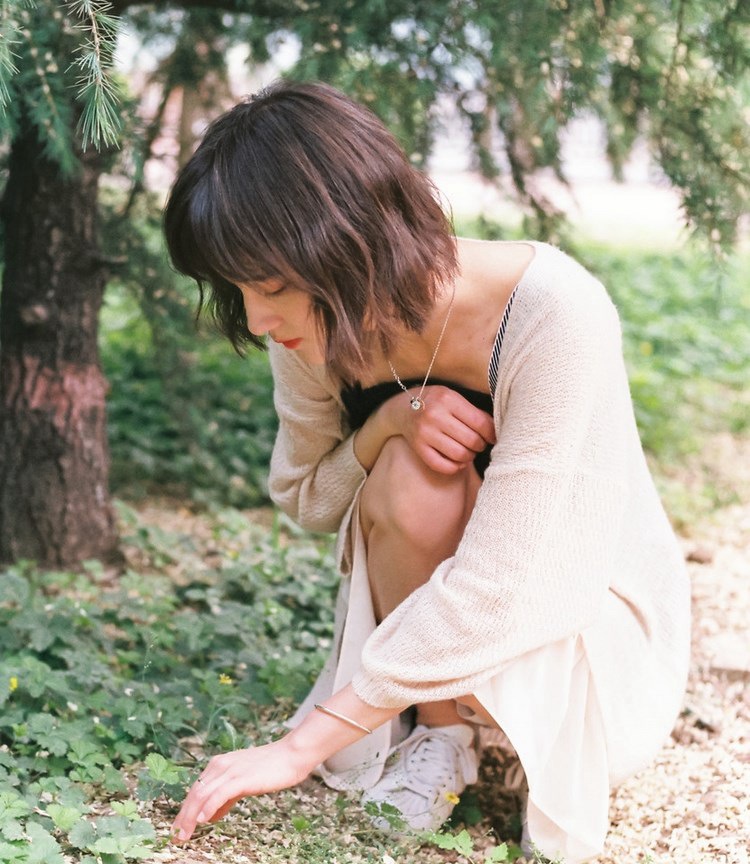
[[343, 718]]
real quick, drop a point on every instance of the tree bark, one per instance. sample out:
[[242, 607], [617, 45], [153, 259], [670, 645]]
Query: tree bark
[[54, 460]]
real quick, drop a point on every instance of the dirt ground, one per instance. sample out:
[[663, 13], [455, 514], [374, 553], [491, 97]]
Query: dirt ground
[[692, 805]]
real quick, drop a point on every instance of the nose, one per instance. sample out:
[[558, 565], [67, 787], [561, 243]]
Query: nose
[[260, 317]]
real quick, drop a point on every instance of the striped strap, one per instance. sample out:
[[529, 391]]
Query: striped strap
[[495, 358]]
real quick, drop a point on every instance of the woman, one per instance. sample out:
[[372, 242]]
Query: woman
[[459, 411]]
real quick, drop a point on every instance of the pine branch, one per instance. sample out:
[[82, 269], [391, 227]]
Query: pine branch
[[8, 34], [100, 122]]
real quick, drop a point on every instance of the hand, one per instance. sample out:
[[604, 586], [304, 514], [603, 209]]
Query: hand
[[231, 776], [448, 432]]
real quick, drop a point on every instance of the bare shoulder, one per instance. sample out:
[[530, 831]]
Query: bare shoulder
[[492, 268]]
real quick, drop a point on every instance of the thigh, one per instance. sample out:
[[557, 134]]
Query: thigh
[[412, 519]]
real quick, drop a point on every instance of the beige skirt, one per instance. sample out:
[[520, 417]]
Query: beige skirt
[[544, 702]]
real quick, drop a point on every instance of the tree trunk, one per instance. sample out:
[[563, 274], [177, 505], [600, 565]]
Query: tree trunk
[[54, 461]]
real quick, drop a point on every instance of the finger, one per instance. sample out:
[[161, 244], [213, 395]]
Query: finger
[[222, 799], [222, 811], [192, 806], [439, 463], [480, 422], [436, 426], [466, 436], [460, 407], [453, 450]]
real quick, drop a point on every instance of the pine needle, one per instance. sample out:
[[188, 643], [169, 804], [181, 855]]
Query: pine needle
[[100, 122]]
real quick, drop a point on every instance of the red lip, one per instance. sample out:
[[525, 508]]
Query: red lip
[[291, 343]]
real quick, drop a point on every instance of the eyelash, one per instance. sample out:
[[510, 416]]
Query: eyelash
[[265, 293]]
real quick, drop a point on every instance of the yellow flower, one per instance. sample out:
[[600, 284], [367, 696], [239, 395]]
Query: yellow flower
[[225, 679], [452, 797], [13, 683]]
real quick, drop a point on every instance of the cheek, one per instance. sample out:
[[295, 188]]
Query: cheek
[[316, 345], [314, 328], [315, 353]]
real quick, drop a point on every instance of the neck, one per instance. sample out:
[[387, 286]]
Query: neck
[[421, 350]]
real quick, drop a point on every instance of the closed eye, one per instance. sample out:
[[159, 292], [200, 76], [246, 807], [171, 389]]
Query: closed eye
[[268, 287], [265, 288]]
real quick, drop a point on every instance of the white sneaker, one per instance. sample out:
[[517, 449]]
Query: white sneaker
[[424, 775]]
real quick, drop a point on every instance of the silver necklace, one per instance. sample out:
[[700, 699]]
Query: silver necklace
[[417, 402]]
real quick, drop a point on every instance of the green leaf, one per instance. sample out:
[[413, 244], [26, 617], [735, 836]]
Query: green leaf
[[499, 853], [128, 809], [109, 845], [45, 730], [161, 769], [43, 848], [125, 839], [14, 589], [12, 831], [64, 818], [82, 835], [460, 842], [464, 843], [12, 806], [10, 853], [87, 753], [113, 780], [12, 809]]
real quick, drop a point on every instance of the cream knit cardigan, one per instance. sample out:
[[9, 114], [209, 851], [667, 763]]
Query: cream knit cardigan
[[567, 522]]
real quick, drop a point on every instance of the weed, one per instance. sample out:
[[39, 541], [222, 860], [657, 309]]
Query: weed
[[97, 674]]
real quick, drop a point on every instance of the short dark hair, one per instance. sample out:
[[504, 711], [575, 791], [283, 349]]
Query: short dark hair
[[302, 183]]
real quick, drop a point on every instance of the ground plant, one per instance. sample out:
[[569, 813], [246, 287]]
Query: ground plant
[[155, 666]]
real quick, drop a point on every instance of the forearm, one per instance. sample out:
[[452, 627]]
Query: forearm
[[315, 493], [381, 425], [320, 735]]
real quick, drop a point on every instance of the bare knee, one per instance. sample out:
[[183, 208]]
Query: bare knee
[[403, 494]]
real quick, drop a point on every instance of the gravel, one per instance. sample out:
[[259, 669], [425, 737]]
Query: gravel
[[692, 805]]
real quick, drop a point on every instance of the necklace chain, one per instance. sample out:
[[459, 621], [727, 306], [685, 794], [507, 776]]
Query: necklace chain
[[417, 402]]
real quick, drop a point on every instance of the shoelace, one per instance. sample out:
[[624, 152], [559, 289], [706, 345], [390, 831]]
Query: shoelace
[[428, 749]]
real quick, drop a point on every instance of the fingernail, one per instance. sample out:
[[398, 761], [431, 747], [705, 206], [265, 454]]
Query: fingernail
[[183, 835], [201, 817]]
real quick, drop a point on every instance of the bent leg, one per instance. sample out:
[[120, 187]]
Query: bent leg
[[412, 518]]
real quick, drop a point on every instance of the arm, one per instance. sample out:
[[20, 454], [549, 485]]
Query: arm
[[314, 472], [317, 465], [231, 776]]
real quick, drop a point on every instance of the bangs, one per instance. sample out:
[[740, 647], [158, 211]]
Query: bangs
[[210, 245]]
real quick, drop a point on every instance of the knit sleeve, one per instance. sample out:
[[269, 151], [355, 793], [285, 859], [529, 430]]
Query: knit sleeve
[[314, 473], [532, 566]]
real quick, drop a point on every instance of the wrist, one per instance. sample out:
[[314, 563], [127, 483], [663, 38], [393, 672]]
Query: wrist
[[302, 750], [322, 733], [370, 438], [391, 415]]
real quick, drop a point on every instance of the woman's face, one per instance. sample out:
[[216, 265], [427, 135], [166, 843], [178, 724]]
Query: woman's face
[[286, 314]]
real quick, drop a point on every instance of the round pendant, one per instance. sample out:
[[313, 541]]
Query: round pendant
[[416, 403]]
